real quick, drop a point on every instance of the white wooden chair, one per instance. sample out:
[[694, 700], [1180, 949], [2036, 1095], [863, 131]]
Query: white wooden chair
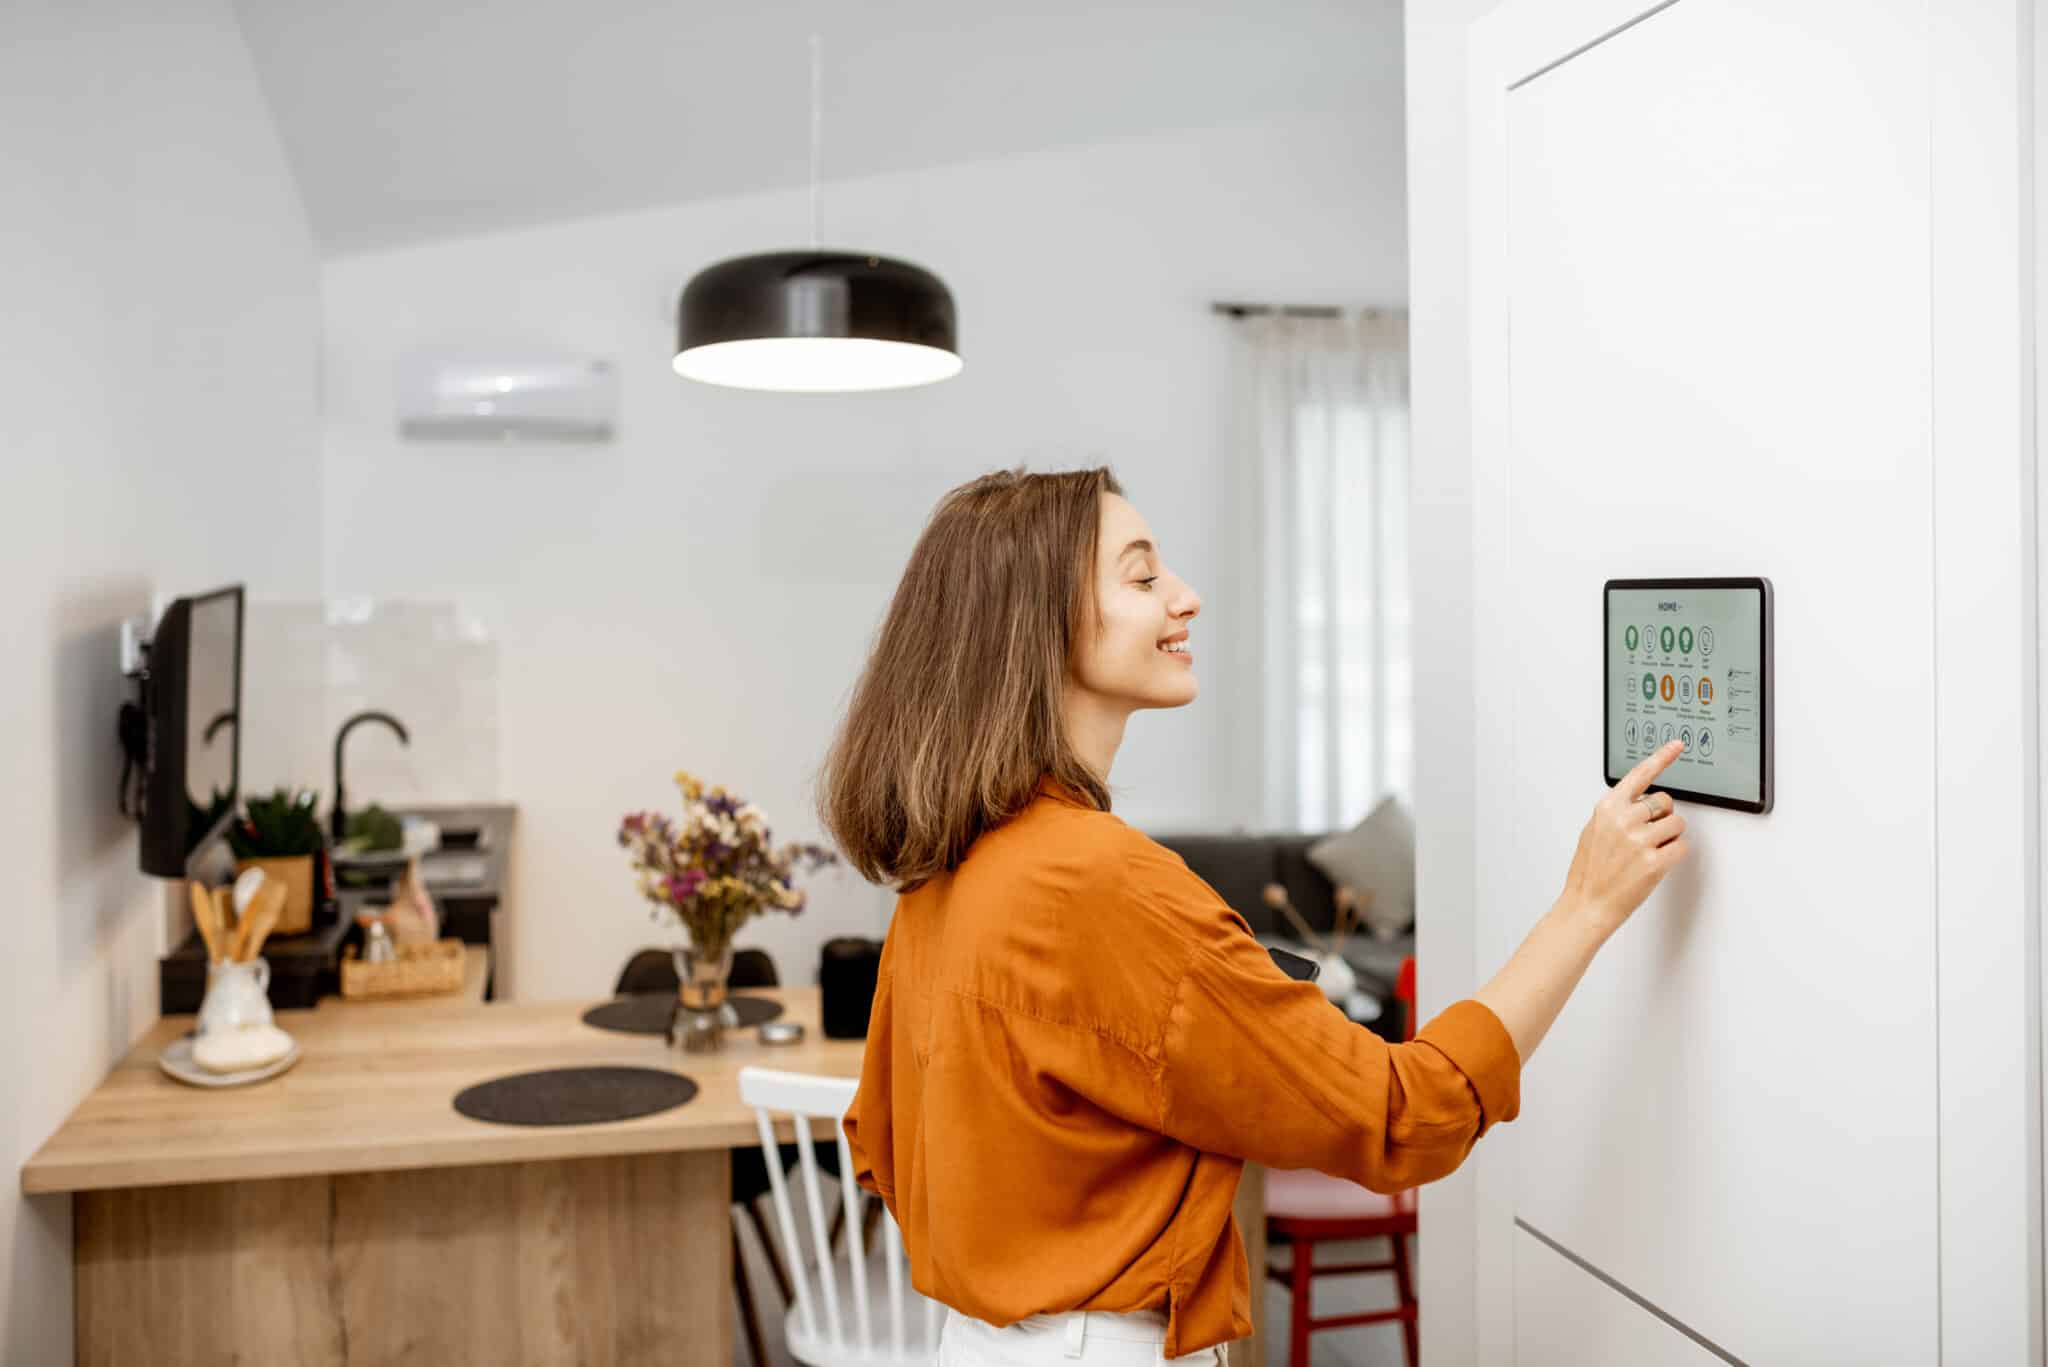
[[824, 1340]]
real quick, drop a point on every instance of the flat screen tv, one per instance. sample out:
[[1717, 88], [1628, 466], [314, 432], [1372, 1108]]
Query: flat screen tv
[[192, 697]]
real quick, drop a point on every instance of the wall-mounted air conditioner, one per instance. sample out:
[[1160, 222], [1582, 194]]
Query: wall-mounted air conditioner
[[506, 396]]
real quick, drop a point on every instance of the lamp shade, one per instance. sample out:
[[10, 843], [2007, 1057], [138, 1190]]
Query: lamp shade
[[816, 321]]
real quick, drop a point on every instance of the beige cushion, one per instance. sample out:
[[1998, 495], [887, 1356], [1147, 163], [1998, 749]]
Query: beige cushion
[[1375, 859], [1303, 1194]]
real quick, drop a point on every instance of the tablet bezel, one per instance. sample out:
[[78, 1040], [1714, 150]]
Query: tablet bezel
[[1767, 784]]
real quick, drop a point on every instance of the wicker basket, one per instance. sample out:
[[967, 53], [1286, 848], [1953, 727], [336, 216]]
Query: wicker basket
[[418, 971]]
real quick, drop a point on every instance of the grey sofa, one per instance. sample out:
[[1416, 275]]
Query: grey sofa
[[1240, 866]]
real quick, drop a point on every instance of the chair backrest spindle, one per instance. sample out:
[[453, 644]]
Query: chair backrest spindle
[[785, 1220], [856, 1242], [824, 1339]]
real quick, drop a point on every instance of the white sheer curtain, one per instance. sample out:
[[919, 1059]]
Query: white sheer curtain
[[1323, 572]]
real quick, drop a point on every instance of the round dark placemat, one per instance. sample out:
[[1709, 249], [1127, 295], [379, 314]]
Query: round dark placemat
[[575, 1096], [754, 1010], [649, 1013]]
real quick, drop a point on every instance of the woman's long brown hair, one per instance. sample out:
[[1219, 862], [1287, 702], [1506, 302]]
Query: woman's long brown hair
[[957, 716]]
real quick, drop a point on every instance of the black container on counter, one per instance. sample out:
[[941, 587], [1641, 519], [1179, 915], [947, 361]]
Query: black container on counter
[[847, 969], [303, 968]]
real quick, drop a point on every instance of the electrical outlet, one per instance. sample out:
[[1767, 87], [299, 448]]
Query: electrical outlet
[[134, 645]]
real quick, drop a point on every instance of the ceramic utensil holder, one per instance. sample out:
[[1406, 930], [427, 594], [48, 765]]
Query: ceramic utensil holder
[[237, 994]]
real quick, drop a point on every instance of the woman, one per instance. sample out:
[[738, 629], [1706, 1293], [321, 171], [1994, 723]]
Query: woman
[[1076, 1045]]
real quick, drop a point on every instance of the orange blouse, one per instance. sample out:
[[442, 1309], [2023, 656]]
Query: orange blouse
[[1076, 1045]]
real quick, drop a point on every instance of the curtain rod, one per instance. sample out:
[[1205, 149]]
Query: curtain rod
[[1241, 310]]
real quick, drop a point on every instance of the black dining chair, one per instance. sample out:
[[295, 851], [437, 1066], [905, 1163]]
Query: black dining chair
[[654, 970]]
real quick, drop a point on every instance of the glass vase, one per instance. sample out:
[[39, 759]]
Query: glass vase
[[703, 1010]]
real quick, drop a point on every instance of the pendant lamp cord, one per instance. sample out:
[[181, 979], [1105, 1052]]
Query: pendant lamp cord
[[817, 135]]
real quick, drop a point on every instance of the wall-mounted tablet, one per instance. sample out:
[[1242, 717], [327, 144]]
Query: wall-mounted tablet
[[1690, 660]]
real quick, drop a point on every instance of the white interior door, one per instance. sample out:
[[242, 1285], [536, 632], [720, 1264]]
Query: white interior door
[[1711, 356], [1568, 1315]]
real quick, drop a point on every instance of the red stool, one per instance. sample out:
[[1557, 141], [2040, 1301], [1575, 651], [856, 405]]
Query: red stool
[[1305, 1208], [1404, 993]]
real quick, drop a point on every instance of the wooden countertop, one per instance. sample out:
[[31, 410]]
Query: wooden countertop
[[374, 1088]]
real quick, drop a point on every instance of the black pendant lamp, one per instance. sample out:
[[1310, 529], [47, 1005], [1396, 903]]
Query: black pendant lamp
[[816, 321]]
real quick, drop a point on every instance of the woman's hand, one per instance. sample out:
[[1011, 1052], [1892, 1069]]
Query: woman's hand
[[1630, 842], [1628, 846]]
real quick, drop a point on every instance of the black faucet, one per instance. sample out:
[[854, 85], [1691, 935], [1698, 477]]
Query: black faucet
[[339, 822]]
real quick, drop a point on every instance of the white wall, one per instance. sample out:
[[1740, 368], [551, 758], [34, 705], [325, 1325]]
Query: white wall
[[1440, 556], [700, 593], [158, 435]]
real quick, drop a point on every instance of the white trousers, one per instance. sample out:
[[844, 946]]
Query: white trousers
[[1092, 1338]]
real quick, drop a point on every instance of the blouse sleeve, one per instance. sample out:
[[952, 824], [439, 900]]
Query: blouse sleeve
[[1263, 1067]]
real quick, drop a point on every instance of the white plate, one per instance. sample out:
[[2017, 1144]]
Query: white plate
[[176, 1059]]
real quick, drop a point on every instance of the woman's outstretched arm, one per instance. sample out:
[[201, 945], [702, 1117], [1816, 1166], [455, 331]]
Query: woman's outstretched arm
[[1629, 844]]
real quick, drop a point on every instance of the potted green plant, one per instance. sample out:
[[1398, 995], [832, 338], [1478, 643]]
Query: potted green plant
[[281, 835]]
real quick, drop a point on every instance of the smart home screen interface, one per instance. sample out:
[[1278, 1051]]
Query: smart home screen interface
[[1688, 664]]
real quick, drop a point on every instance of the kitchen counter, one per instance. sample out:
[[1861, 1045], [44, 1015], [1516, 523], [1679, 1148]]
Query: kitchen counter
[[345, 1213], [373, 1088], [467, 884]]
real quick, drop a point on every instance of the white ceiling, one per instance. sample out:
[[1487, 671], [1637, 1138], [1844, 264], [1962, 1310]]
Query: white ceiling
[[414, 119]]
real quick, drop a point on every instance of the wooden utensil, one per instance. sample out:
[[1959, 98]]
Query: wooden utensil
[[246, 885], [203, 917], [245, 922], [225, 922], [264, 910], [1276, 898]]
